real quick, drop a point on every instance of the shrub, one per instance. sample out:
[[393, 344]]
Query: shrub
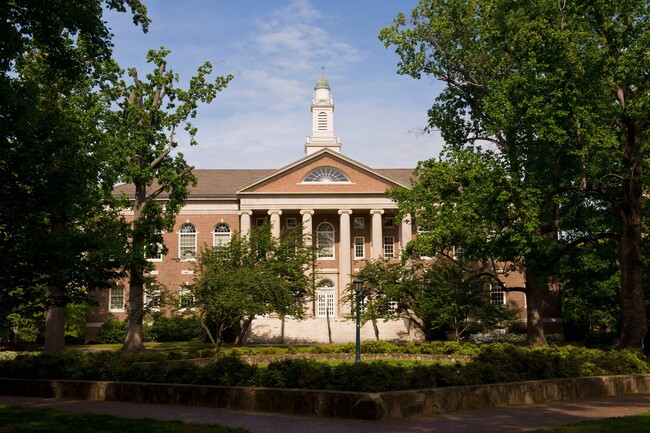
[[175, 328], [378, 347], [296, 373], [112, 331]]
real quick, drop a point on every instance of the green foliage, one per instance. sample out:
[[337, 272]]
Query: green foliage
[[491, 363], [112, 331], [174, 328], [249, 276], [143, 134], [545, 117], [449, 293], [60, 239]]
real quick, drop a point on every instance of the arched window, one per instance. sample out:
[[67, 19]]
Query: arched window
[[325, 241], [326, 299], [187, 242], [221, 234], [325, 175]]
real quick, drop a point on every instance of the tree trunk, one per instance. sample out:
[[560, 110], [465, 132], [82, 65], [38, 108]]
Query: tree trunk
[[633, 314], [535, 290], [376, 328], [134, 341], [55, 322], [240, 340]]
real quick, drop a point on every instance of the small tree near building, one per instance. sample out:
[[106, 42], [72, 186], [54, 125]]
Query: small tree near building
[[251, 276]]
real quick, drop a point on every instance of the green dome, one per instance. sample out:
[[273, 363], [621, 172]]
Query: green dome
[[322, 83]]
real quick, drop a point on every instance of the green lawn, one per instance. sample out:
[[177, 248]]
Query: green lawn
[[27, 420], [627, 424]]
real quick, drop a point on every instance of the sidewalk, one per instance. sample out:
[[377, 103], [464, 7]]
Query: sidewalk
[[501, 420]]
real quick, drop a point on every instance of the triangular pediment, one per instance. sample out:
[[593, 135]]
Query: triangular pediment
[[291, 178]]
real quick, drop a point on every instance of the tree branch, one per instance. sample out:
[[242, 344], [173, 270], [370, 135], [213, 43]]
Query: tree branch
[[156, 162]]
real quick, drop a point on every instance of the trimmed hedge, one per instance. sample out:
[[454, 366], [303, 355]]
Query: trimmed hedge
[[493, 363]]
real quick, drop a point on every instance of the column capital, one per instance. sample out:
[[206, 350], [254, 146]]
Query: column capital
[[306, 212], [245, 212], [345, 211], [376, 211], [274, 212]]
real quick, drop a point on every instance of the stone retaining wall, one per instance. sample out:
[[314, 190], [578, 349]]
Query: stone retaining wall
[[386, 405]]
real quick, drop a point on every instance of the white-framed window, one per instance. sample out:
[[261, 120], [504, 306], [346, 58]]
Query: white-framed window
[[389, 246], [221, 234], [187, 242], [292, 222], [497, 294], [359, 247], [458, 252], [185, 298], [326, 300], [392, 307], [325, 240], [389, 222], [116, 298], [359, 222]]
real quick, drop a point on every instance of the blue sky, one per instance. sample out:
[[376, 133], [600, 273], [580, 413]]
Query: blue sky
[[275, 49]]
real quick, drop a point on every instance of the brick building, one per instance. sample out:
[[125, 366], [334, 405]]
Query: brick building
[[340, 202]]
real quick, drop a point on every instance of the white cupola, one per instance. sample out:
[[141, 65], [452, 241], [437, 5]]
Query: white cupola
[[322, 124]]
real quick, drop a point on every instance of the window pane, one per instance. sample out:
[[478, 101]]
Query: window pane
[[116, 298], [221, 234], [187, 242], [325, 240], [389, 247], [359, 247]]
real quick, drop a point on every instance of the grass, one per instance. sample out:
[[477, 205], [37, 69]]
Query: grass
[[28, 420], [627, 424]]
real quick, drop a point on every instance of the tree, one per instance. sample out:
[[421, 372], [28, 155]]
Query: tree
[[144, 134], [55, 232], [560, 90], [250, 276], [380, 278], [447, 293]]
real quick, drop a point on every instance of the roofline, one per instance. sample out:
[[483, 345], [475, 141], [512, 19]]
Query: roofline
[[314, 155]]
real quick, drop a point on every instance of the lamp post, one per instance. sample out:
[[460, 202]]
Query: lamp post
[[358, 286]]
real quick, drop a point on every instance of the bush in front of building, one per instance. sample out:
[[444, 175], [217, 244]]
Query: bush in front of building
[[112, 331], [174, 328]]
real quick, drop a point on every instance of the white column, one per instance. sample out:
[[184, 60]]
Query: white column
[[307, 228], [345, 262], [376, 238], [406, 231], [275, 222], [245, 222]]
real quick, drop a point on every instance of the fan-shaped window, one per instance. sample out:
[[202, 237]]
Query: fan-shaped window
[[222, 234], [187, 242], [325, 241], [326, 175]]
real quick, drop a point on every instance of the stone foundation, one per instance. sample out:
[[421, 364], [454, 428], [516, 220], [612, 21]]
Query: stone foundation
[[387, 405]]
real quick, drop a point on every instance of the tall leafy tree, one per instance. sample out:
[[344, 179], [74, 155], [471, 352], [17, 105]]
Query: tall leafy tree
[[560, 91], [53, 57], [144, 134]]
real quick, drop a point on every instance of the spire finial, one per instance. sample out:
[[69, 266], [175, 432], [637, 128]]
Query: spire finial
[[322, 68]]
